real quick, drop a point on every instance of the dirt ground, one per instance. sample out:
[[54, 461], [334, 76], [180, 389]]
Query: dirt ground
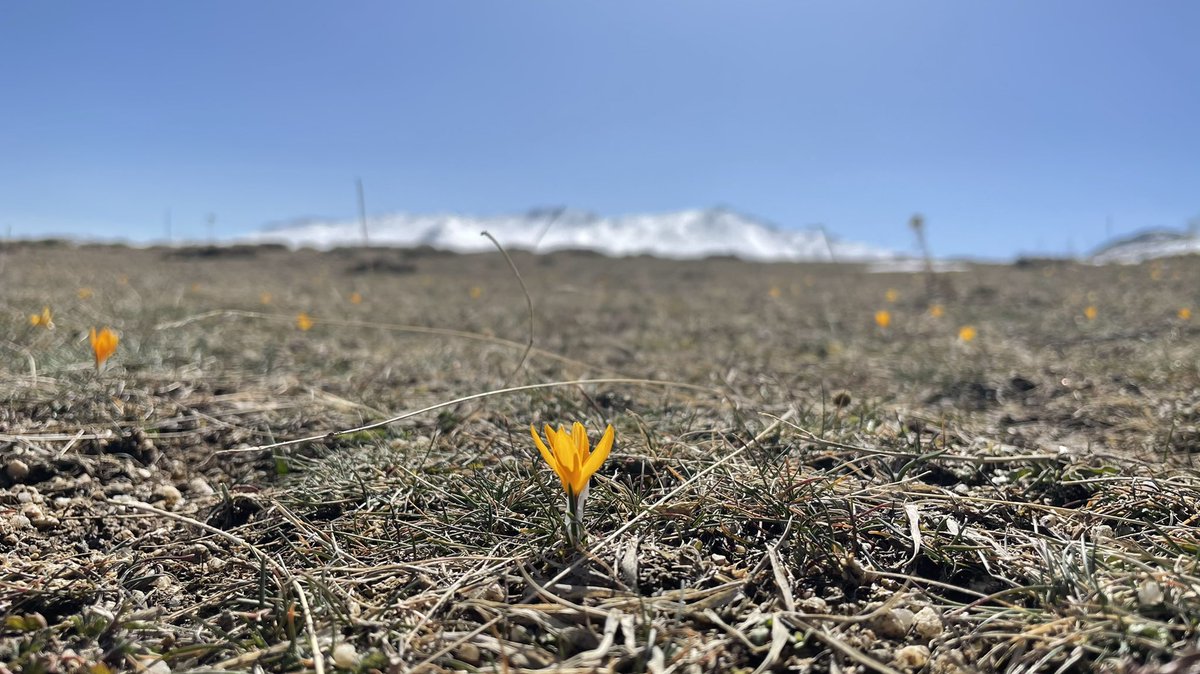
[[794, 487]]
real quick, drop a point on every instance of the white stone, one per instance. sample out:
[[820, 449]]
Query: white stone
[[17, 469], [169, 494], [894, 623], [927, 623], [911, 657], [345, 656], [200, 487], [1150, 593]]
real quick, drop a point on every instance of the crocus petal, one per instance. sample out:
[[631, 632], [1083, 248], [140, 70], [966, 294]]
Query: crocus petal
[[537, 440], [597, 458], [563, 449], [579, 435]]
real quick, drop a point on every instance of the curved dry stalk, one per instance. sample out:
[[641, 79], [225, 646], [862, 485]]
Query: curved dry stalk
[[393, 327], [475, 396], [528, 303]]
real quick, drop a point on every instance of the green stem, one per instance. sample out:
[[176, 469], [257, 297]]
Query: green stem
[[576, 535]]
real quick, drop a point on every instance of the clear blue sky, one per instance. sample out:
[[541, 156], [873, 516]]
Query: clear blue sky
[[1013, 125]]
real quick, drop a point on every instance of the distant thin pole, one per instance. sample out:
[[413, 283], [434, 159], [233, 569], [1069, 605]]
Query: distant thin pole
[[362, 211], [917, 223], [932, 287], [825, 237], [554, 216], [212, 229]]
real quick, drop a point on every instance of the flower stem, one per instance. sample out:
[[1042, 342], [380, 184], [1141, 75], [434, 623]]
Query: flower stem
[[576, 535]]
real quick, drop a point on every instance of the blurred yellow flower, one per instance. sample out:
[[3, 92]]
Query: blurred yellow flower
[[265, 297], [775, 291], [84, 293], [936, 311], [303, 321], [355, 297], [966, 333], [476, 292], [1184, 314], [883, 318], [104, 344], [42, 320], [1090, 312], [891, 295]]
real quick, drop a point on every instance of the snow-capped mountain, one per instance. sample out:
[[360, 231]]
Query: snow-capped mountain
[[1147, 246], [681, 234]]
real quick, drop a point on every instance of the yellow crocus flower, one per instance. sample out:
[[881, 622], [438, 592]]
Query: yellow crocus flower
[[104, 344], [569, 456], [43, 320]]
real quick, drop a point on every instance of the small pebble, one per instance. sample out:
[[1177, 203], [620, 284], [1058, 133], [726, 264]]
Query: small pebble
[[911, 657], [169, 494], [17, 469], [45, 522], [200, 487], [345, 656], [927, 623], [813, 605], [894, 623], [494, 592], [1150, 593], [469, 653]]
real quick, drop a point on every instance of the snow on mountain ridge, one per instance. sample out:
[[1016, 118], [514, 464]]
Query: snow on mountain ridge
[[682, 234], [1147, 245]]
